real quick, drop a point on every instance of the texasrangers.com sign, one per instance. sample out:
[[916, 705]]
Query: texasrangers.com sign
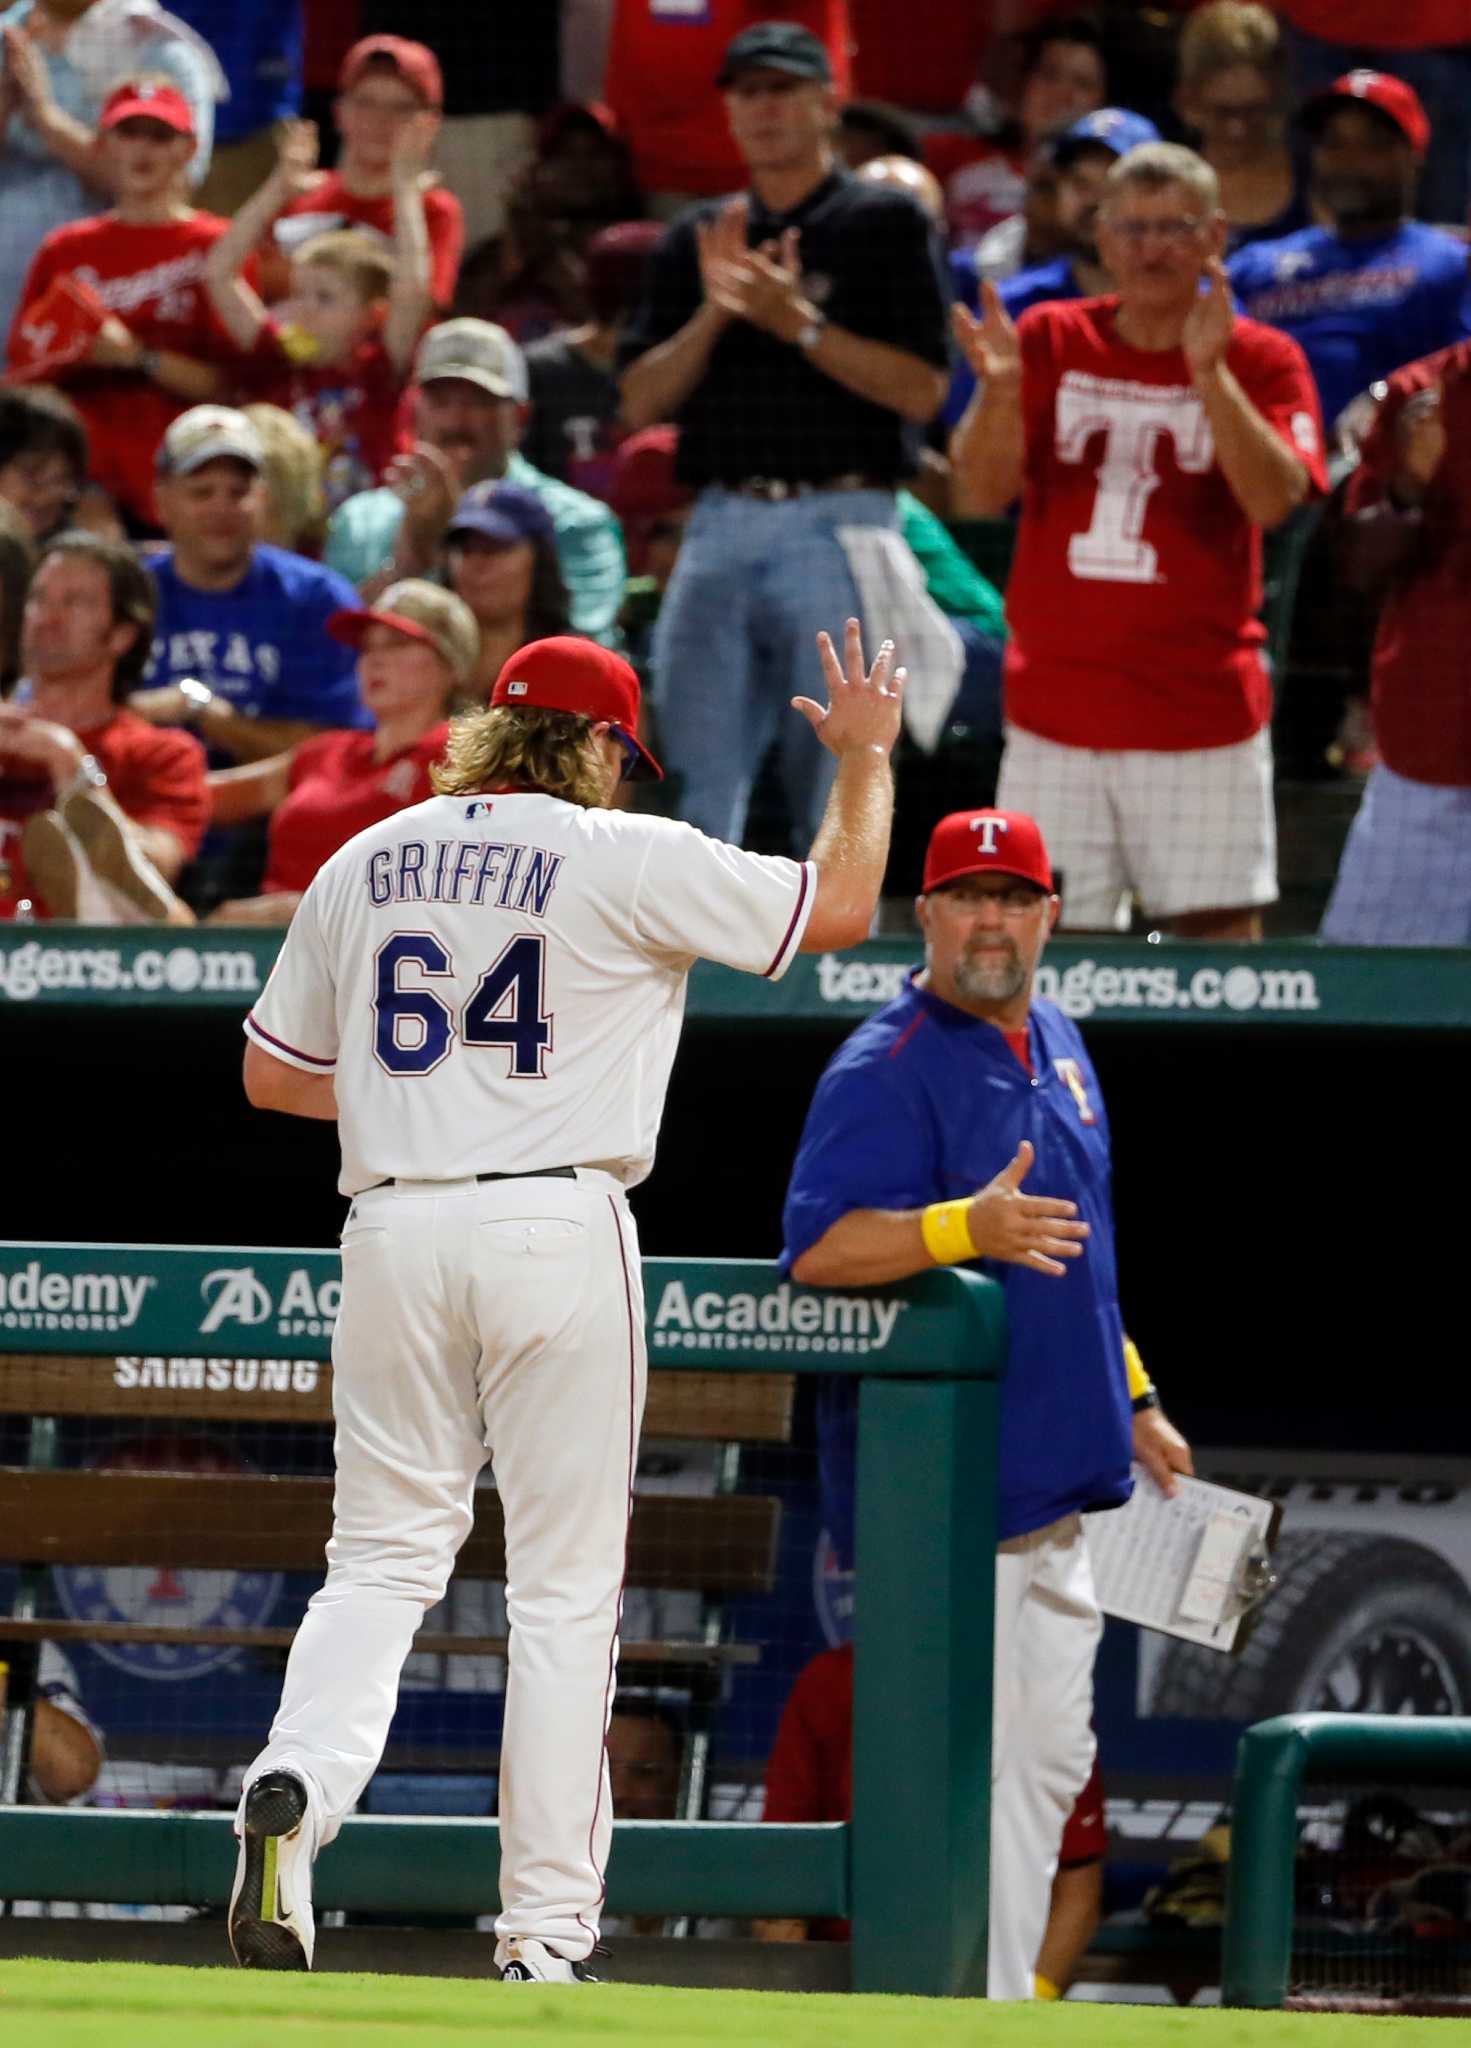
[[198, 1302]]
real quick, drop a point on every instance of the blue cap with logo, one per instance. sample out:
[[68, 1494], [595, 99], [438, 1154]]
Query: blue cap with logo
[[503, 512], [1115, 129]]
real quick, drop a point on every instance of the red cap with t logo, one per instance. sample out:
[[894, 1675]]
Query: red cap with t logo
[[568, 674], [986, 843]]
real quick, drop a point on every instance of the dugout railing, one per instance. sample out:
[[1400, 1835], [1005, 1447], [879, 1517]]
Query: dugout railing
[[1273, 1759], [910, 1870]]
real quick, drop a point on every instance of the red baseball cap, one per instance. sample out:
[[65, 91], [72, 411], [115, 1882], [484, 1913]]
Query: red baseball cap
[[986, 843], [415, 63], [147, 102], [568, 674], [1378, 89]]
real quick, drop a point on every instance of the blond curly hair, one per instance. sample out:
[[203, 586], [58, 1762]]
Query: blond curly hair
[[529, 748]]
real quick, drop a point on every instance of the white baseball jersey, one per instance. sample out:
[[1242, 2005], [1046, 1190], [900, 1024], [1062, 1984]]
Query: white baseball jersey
[[500, 980]]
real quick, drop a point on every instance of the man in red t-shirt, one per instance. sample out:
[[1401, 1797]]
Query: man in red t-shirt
[[385, 82], [1405, 877], [99, 810], [809, 1777], [1151, 435], [160, 349]]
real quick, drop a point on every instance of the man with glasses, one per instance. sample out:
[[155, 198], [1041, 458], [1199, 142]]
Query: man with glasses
[[1151, 435], [964, 1122], [385, 81]]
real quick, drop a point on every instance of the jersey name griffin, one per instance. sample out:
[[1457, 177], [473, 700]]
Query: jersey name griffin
[[512, 876]]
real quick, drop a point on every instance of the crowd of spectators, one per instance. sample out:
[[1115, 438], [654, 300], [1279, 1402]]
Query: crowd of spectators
[[636, 321]]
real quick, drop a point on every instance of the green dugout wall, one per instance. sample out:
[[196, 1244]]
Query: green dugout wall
[[911, 1868]]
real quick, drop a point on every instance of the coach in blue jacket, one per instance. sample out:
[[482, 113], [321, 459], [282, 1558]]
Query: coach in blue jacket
[[931, 1139]]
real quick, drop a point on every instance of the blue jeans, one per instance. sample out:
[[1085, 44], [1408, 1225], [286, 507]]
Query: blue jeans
[[754, 583]]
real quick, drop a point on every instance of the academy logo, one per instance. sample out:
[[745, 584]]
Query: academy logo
[[784, 1319], [234, 1294], [33, 1298]]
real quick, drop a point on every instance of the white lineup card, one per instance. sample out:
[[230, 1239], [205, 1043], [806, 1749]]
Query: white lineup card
[[1177, 1565]]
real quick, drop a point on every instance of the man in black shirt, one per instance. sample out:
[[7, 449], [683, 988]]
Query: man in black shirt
[[798, 335]]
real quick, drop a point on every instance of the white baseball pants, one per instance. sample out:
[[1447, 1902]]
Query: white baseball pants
[[504, 1316], [1047, 1631]]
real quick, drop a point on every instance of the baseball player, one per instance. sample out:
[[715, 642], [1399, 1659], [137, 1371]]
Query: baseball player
[[485, 991], [926, 1127]]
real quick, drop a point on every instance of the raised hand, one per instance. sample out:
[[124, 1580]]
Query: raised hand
[[1024, 1230], [114, 346], [1420, 437], [25, 70], [863, 708], [989, 344], [1208, 325], [412, 147], [296, 157]]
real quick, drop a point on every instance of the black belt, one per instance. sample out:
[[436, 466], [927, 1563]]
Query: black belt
[[775, 489], [530, 1173]]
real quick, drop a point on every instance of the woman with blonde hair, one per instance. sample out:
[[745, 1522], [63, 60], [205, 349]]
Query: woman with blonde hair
[[1232, 92], [296, 503], [416, 652]]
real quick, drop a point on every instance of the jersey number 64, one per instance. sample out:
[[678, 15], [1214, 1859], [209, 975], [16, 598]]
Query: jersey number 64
[[415, 1029]]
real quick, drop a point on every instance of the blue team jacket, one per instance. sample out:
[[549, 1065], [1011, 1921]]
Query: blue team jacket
[[923, 1104]]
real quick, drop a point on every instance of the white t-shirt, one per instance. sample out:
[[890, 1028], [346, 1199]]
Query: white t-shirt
[[498, 982]]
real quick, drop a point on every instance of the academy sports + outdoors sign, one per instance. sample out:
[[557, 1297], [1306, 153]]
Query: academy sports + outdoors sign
[[209, 1304]]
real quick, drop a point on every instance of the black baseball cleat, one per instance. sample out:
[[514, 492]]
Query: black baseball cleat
[[271, 1925]]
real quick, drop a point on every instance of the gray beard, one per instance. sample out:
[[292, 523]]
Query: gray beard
[[991, 982]]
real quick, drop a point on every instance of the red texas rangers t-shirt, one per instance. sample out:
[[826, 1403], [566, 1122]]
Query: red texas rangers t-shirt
[[338, 790], [1137, 578], [152, 278]]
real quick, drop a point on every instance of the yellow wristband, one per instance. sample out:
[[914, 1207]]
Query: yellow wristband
[[947, 1231], [1045, 1988], [1139, 1380]]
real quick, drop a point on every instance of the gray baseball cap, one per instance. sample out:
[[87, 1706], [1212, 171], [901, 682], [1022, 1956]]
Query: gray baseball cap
[[206, 433], [476, 350]]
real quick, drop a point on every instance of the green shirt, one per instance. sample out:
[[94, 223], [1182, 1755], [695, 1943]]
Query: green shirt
[[363, 530], [955, 583]]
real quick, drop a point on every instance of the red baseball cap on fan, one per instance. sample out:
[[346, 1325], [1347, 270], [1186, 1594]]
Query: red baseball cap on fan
[[986, 843], [415, 63], [568, 674], [1399, 102], [145, 101]]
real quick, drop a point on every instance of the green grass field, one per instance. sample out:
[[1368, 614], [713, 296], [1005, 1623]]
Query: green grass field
[[143, 2005]]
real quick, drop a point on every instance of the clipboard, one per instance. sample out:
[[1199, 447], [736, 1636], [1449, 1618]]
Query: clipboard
[[1198, 1567]]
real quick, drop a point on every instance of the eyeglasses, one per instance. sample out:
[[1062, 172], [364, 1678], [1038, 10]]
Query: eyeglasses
[[1177, 232], [1014, 900], [1250, 113]]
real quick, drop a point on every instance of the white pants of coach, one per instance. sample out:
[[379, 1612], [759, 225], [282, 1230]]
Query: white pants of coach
[[1047, 1631], [504, 1316]]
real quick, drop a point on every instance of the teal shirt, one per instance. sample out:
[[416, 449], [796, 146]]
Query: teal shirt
[[952, 578], [362, 532]]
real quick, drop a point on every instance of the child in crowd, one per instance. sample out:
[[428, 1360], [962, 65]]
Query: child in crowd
[[339, 354], [159, 348], [384, 82]]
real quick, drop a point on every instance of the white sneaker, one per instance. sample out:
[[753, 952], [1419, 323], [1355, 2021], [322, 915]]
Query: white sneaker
[[522, 1961], [271, 1924]]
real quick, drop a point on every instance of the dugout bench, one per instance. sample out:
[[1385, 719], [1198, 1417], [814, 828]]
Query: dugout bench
[[910, 1870], [719, 1546]]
